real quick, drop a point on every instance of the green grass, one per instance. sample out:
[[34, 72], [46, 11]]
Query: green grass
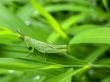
[[82, 25]]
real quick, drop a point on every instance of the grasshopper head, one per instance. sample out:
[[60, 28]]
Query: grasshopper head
[[26, 38]]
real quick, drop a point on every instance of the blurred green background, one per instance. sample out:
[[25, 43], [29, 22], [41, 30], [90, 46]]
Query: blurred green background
[[82, 25]]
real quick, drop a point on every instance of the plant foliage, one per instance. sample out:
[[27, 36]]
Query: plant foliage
[[82, 25]]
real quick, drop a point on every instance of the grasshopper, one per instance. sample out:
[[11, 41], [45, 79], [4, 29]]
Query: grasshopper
[[44, 47]]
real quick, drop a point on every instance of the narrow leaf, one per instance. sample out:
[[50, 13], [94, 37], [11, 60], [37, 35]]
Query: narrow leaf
[[97, 53], [65, 76], [97, 35], [56, 26], [7, 36], [20, 64], [66, 24]]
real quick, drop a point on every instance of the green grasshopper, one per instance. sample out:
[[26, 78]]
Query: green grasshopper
[[44, 47]]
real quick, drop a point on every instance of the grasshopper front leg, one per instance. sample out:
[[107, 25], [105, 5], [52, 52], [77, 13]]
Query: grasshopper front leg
[[32, 50]]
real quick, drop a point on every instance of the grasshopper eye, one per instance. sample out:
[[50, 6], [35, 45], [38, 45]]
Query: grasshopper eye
[[30, 48]]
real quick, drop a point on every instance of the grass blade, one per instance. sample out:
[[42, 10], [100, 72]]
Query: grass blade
[[66, 24], [65, 76], [20, 64], [56, 26], [97, 35]]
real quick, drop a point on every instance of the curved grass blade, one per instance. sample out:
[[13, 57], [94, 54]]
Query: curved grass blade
[[96, 36], [105, 3], [20, 64], [66, 24], [7, 36], [66, 75], [97, 53], [56, 26]]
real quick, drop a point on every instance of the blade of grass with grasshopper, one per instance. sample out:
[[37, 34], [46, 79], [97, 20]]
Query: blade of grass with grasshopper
[[43, 47]]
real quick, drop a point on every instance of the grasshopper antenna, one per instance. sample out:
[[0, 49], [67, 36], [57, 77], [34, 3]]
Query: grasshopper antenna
[[22, 36]]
